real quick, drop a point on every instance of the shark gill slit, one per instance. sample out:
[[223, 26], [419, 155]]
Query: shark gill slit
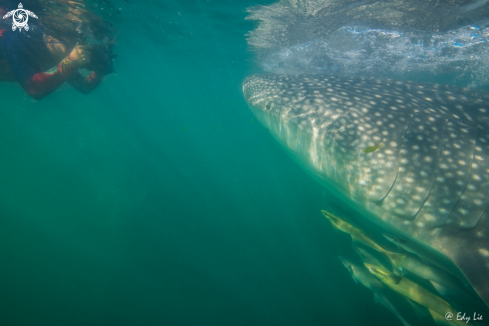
[[480, 217], [437, 171], [397, 174], [465, 186], [487, 206]]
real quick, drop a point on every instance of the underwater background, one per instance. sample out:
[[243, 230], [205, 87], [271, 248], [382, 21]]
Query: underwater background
[[158, 199]]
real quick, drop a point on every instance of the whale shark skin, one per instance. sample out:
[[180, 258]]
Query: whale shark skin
[[428, 183]]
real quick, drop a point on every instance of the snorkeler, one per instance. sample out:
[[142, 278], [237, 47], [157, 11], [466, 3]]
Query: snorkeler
[[43, 64]]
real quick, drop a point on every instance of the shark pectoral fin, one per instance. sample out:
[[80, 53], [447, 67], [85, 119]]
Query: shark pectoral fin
[[396, 259], [440, 288], [420, 311], [439, 319]]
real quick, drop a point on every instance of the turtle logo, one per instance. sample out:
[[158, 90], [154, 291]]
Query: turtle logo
[[20, 18]]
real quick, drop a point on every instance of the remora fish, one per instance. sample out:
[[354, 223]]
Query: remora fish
[[358, 235], [368, 258], [413, 291], [441, 280], [410, 248], [361, 275], [430, 182]]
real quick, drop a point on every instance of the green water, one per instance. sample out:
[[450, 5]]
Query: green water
[[158, 199]]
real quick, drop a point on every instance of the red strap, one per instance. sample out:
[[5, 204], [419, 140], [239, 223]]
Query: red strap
[[1, 31]]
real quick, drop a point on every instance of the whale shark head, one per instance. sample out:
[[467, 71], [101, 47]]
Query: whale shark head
[[428, 182]]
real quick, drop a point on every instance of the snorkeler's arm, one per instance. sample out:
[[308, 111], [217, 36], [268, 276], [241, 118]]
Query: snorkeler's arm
[[85, 84], [44, 83], [40, 84]]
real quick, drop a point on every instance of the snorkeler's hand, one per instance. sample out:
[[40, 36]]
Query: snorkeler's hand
[[81, 55]]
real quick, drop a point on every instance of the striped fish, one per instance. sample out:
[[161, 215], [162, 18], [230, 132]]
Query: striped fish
[[371, 149]]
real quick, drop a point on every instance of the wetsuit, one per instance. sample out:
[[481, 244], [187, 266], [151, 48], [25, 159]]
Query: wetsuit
[[29, 62]]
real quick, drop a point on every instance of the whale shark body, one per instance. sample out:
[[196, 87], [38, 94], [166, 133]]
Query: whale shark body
[[425, 173]]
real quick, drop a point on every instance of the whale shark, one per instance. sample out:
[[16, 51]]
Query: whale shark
[[410, 158]]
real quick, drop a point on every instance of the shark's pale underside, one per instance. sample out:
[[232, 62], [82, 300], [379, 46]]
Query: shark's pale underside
[[430, 180]]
